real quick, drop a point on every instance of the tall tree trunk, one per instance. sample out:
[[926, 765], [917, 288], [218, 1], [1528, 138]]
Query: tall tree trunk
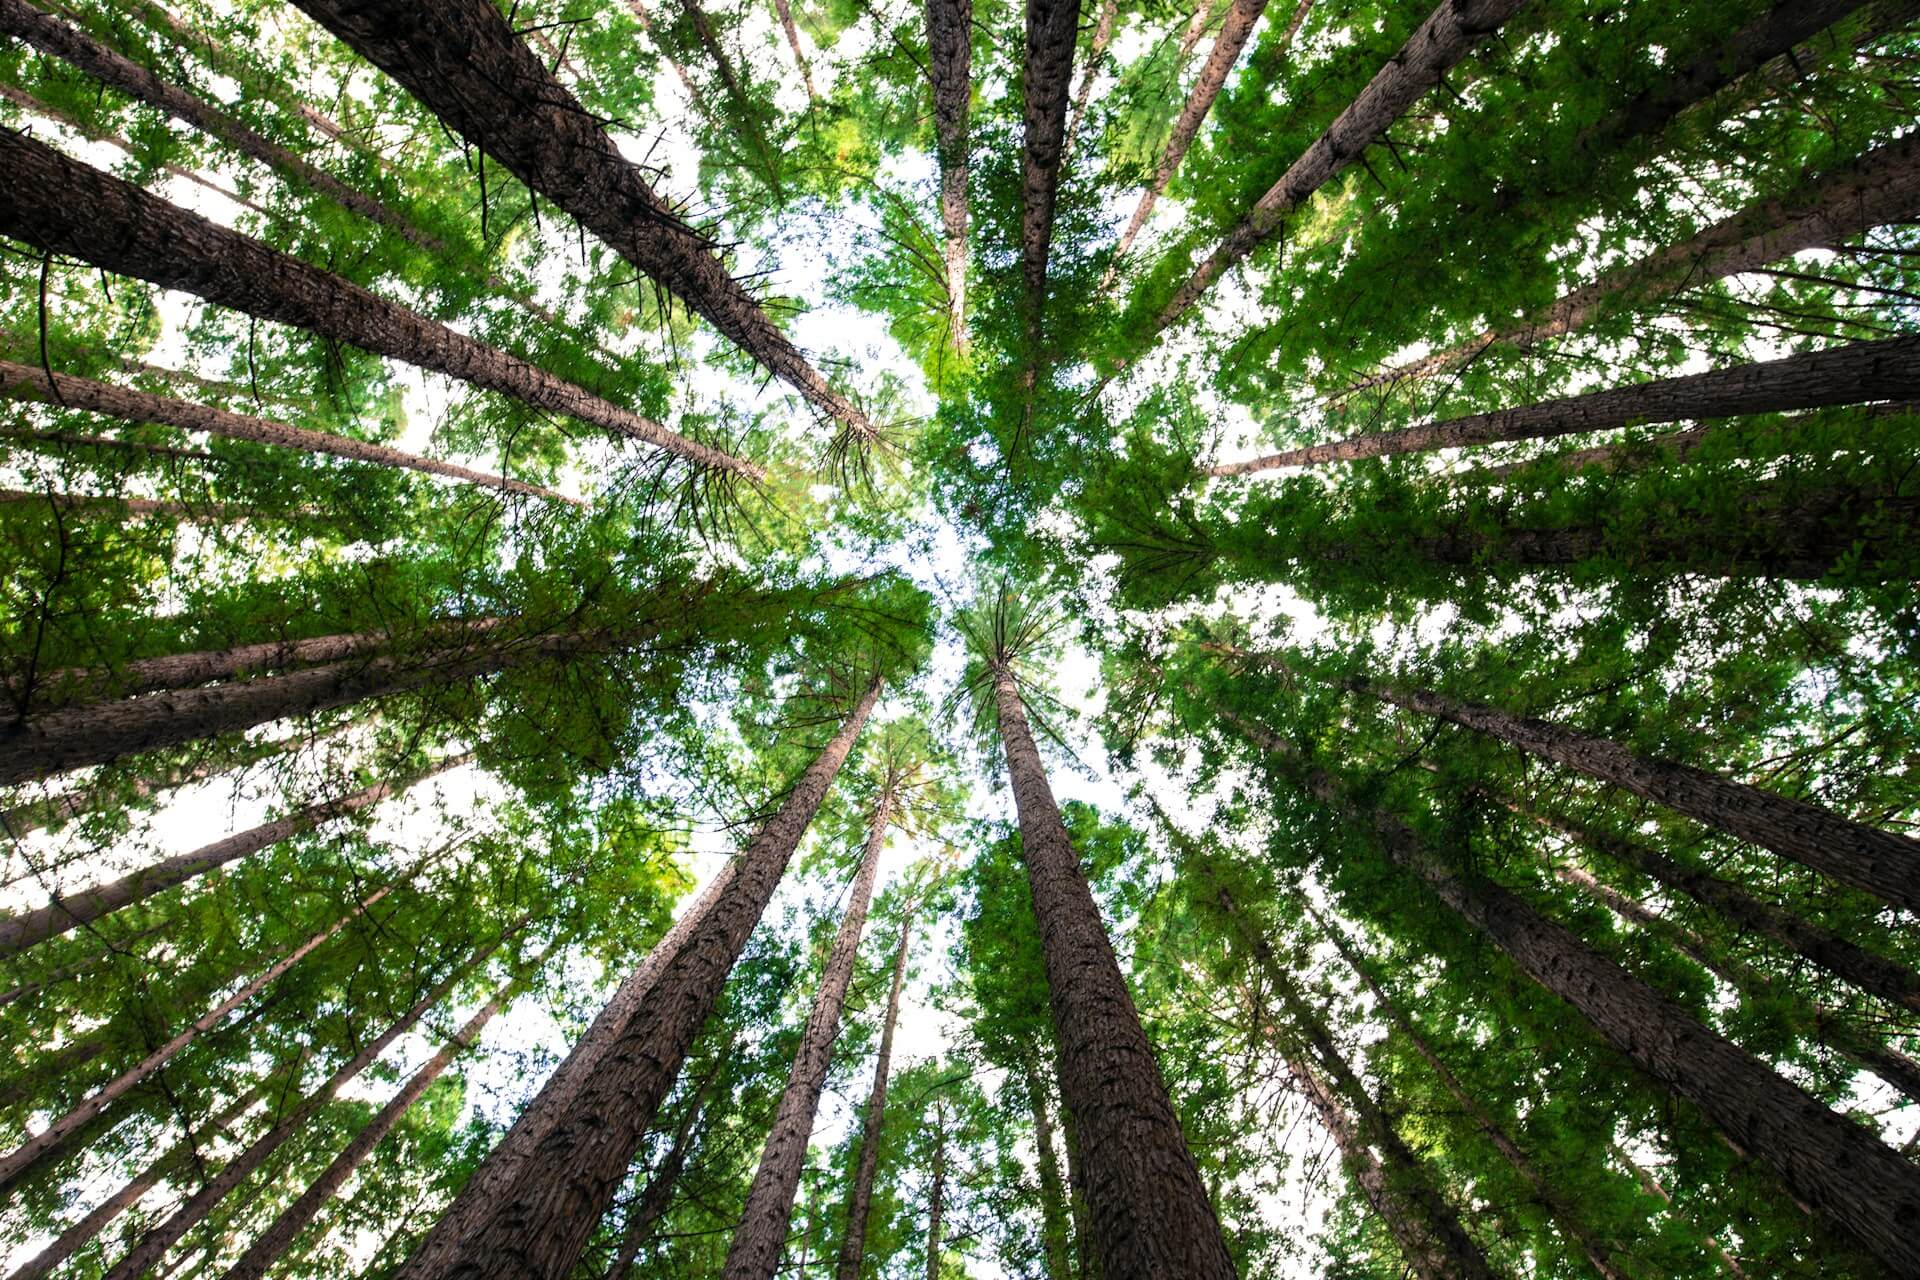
[[1652, 1187], [152, 1246], [1819, 1024], [1434, 47], [119, 506], [762, 1233], [129, 231], [1880, 187], [166, 1166], [81, 441], [950, 67], [785, 10], [1242, 15], [853, 1245], [937, 1193], [1053, 27], [51, 1069], [1096, 50], [1565, 1218], [1824, 1159], [538, 1226], [698, 100], [1151, 1214], [66, 973], [59, 1135], [745, 118], [497, 1174], [1870, 859], [661, 1183], [497, 94], [66, 913], [266, 1250], [1054, 1227], [21, 382], [1086, 1253], [1854, 374]]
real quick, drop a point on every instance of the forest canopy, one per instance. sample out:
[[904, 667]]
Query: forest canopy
[[1090, 640]]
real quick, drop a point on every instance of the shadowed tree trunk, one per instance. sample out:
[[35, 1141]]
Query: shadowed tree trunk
[[745, 118], [69, 912], [20, 382], [1096, 50], [155, 1243], [661, 1183], [1824, 1159], [1053, 26], [1434, 47], [937, 1193], [1086, 1254], [1054, 1226], [539, 1226], [785, 11], [464, 62], [762, 1234], [1854, 374], [1652, 1187], [853, 1245], [67, 972], [1880, 187], [950, 67], [35, 1082], [132, 232], [1151, 1214]]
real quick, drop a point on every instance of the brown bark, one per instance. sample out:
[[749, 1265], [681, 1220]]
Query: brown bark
[[66, 913], [21, 382], [56, 1137], [662, 1182], [853, 1245], [1880, 187], [1565, 1218], [464, 62], [266, 1250], [1824, 1159], [134, 233], [1434, 47], [1652, 1187], [785, 11], [1053, 27], [1868, 858], [1096, 50], [1053, 1192], [1086, 1258], [154, 1244], [764, 1223], [99, 504], [1151, 1214], [950, 67], [510, 1156], [1670, 446], [540, 1225], [937, 1193], [83, 441]]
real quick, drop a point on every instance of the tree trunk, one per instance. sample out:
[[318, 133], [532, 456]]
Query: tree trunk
[[21, 382], [745, 118], [56, 1137], [937, 1193], [1826, 1026], [1669, 446], [785, 11], [1565, 1219], [1824, 1159], [1054, 1229], [1434, 47], [1151, 1215], [134, 233], [165, 1166], [1053, 26], [32, 1084], [1880, 187], [464, 62], [1875, 861], [661, 1183], [67, 972], [1096, 50], [266, 1250], [100, 504], [1855, 374], [853, 1245], [80, 440], [950, 67], [762, 1233], [152, 1246], [64, 914], [496, 1175], [538, 1226], [1652, 1187], [1086, 1258]]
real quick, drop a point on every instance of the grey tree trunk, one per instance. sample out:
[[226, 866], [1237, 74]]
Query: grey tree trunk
[[464, 62], [937, 1193], [1053, 26], [1096, 50], [764, 1224], [132, 232], [785, 11], [1651, 1185], [1151, 1214], [950, 67], [853, 1245], [539, 1226], [1854, 374]]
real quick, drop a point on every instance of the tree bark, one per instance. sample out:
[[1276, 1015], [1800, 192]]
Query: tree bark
[[745, 118], [134, 233], [32, 1083], [464, 62], [1875, 861], [1652, 1187], [152, 1246], [1434, 47], [21, 382], [661, 1183], [56, 1137], [266, 1250], [785, 11], [1854, 374], [1151, 1214], [762, 1233], [1824, 1159], [937, 1193], [66, 913], [1053, 27], [1053, 1193], [539, 1226], [853, 1245], [1880, 187], [950, 67], [1086, 1259], [1096, 50]]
